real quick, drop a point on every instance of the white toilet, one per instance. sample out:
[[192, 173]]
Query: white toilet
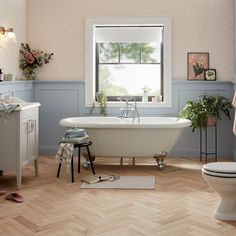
[[221, 176]]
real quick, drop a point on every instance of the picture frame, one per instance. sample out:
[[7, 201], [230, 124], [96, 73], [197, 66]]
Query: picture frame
[[210, 74], [197, 62]]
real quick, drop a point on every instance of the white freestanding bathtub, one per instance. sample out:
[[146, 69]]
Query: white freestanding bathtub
[[117, 137]]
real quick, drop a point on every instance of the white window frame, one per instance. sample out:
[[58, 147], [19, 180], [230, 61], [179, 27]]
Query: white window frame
[[90, 25]]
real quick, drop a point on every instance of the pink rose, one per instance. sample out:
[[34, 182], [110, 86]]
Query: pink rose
[[29, 58]]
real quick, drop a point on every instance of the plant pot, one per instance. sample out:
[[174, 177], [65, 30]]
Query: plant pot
[[211, 120]]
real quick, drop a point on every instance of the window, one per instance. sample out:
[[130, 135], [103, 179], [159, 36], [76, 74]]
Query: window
[[125, 57]]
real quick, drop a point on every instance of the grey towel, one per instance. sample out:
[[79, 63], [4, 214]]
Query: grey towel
[[75, 140], [75, 133]]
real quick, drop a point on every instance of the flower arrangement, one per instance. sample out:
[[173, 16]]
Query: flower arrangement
[[31, 59]]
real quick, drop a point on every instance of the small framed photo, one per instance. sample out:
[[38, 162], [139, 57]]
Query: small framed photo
[[210, 74], [197, 63]]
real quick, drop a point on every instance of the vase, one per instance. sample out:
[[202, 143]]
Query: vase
[[29, 73], [145, 97], [211, 120]]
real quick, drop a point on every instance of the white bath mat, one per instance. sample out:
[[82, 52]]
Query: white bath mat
[[125, 182]]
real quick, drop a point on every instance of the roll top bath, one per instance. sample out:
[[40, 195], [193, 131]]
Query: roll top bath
[[116, 137]]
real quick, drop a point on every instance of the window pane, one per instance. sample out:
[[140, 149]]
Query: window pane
[[129, 80], [108, 52], [151, 53], [130, 52]]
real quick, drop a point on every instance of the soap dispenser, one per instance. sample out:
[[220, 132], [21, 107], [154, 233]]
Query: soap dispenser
[[1, 75]]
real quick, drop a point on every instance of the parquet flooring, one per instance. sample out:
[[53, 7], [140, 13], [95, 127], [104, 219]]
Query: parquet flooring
[[181, 204]]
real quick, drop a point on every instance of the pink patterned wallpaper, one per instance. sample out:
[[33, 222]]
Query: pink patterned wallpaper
[[197, 26]]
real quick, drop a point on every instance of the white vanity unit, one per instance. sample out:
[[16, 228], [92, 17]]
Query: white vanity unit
[[19, 138]]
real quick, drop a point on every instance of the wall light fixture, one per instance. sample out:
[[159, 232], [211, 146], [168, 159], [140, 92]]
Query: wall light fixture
[[8, 33]]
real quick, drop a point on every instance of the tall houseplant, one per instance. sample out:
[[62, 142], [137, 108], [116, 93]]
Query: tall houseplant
[[206, 106]]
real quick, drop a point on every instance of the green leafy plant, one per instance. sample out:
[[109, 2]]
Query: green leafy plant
[[199, 111], [102, 100], [198, 69]]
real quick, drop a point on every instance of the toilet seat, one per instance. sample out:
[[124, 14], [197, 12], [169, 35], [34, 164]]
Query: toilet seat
[[221, 177], [220, 169]]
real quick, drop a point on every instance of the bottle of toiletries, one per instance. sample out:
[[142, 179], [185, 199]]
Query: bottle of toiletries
[[145, 97], [159, 98], [154, 99], [146, 89], [1, 75]]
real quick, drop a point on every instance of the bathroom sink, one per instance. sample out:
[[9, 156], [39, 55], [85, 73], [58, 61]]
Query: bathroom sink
[[21, 105]]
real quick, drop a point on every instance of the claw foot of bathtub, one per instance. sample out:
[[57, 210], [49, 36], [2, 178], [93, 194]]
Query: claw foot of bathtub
[[160, 159], [133, 161], [121, 161]]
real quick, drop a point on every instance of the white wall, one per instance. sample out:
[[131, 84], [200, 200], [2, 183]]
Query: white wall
[[198, 26], [13, 15]]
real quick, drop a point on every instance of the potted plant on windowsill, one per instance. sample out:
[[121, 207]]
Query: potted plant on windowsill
[[206, 109], [102, 100]]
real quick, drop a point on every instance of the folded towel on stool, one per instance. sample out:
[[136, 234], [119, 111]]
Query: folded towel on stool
[[75, 133], [66, 148], [75, 140]]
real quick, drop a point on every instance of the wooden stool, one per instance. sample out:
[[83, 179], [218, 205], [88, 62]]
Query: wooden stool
[[78, 145]]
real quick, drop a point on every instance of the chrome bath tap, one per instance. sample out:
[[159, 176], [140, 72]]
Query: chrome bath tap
[[130, 109]]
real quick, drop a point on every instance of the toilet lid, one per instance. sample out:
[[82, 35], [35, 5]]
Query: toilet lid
[[218, 174], [228, 168]]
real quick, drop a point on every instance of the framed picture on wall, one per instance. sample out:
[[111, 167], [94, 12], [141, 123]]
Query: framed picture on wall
[[210, 74], [197, 63]]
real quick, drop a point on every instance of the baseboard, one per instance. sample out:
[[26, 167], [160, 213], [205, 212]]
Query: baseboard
[[225, 154], [191, 153]]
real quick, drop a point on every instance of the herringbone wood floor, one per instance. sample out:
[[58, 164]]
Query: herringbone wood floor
[[181, 204]]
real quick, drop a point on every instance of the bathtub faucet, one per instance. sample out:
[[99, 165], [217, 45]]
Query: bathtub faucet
[[130, 109]]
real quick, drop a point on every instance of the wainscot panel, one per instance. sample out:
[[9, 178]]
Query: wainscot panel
[[61, 99], [188, 144], [20, 89], [58, 100]]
